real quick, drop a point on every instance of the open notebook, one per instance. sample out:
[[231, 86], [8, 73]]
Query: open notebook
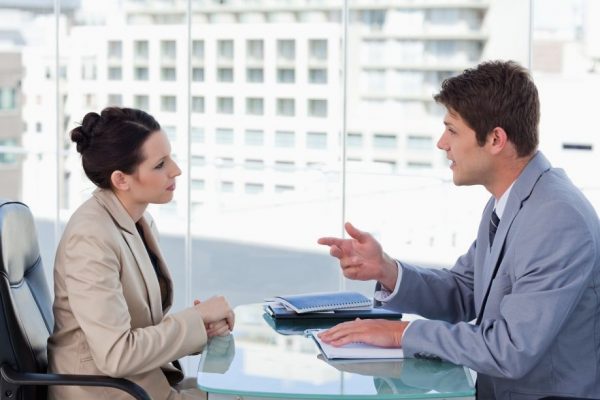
[[329, 301], [355, 350]]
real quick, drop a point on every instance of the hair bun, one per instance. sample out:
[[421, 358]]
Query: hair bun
[[83, 134]]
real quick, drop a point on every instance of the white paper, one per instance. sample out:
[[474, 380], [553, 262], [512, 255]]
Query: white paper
[[355, 350]]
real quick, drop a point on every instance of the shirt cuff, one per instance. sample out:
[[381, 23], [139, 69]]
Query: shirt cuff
[[383, 295]]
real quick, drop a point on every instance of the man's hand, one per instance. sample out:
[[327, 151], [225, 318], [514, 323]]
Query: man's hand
[[217, 315], [362, 257], [378, 332]]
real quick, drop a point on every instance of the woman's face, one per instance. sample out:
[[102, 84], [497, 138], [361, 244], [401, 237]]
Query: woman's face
[[154, 179]]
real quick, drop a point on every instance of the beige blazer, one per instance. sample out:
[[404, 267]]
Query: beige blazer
[[108, 316]]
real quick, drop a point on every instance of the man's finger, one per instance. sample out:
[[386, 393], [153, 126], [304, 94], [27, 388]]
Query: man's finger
[[330, 241], [356, 233]]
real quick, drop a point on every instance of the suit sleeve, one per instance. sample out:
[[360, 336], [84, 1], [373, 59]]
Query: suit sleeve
[[92, 279], [552, 260]]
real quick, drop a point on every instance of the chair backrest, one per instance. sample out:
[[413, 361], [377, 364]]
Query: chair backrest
[[26, 318]]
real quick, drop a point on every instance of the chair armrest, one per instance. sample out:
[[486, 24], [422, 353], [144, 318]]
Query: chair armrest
[[17, 379]]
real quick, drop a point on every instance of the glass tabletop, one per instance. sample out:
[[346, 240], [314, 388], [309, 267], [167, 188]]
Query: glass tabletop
[[266, 358]]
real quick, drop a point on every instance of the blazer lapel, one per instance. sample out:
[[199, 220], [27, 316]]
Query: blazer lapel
[[122, 219]]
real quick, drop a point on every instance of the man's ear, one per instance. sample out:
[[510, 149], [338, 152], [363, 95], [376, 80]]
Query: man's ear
[[119, 180], [497, 139]]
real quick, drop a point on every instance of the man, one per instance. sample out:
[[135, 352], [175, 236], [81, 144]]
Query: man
[[531, 278]]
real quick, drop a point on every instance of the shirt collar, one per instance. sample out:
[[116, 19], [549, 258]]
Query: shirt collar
[[500, 204]]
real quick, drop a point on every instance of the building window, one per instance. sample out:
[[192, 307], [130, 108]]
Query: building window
[[316, 140], [254, 106], [418, 165], [225, 50], [284, 166], [115, 49], [198, 49], [286, 107], [198, 74], [141, 73], [284, 139], [197, 134], [254, 188], [286, 49], [141, 101], [8, 157], [317, 108], [197, 184], [168, 49], [197, 104], [254, 50], [283, 188], [286, 75], [88, 68], [225, 74], [168, 74], [577, 146], [198, 161], [171, 132], [168, 103], [317, 75], [141, 50], [415, 142], [254, 75], [115, 73], [115, 100], [226, 187], [225, 162], [354, 140], [385, 141], [225, 105], [89, 99], [254, 137], [390, 164], [317, 49], [251, 163], [224, 136], [8, 98]]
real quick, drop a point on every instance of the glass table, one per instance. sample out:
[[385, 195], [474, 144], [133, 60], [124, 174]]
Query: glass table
[[266, 359]]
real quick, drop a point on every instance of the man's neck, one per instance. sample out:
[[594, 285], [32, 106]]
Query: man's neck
[[508, 172]]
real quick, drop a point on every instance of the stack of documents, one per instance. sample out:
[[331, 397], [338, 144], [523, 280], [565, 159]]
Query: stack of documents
[[355, 350]]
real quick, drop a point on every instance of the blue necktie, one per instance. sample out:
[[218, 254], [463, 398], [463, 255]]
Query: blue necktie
[[494, 222]]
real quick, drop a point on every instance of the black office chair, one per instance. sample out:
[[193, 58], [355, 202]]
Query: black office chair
[[26, 318]]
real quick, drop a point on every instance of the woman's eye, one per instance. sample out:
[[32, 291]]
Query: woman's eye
[[160, 165]]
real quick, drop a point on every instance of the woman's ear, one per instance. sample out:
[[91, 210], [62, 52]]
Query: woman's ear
[[120, 180]]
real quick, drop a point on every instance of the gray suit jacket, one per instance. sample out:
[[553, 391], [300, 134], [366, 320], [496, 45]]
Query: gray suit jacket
[[540, 329]]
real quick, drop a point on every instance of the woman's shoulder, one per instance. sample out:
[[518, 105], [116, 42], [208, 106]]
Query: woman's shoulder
[[91, 218]]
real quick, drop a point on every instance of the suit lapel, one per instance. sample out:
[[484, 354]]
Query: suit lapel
[[519, 194], [122, 219]]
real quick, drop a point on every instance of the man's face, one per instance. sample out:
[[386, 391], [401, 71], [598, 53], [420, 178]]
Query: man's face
[[470, 163]]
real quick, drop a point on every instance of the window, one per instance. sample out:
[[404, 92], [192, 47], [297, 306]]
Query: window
[[225, 105], [284, 139], [168, 49], [197, 104], [225, 74], [8, 98], [283, 188], [254, 106], [8, 158], [577, 146], [317, 75], [225, 162], [197, 184], [384, 141], [168, 103], [141, 73], [197, 134], [225, 49], [141, 49], [284, 166], [198, 74], [226, 186], [224, 136], [254, 75], [316, 140], [141, 101], [254, 188], [168, 74], [171, 132], [286, 75], [115, 73], [254, 50], [418, 165], [251, 163], [198, 161], [198, 49], [286, 107], [115, 100], [286, 49], [88, 68], [115, 49], [354, 140], [317, 49], [415, 142], [317, 108], [390, 164], [254, 137]]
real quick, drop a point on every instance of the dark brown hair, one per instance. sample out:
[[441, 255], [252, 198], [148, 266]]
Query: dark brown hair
[[496, 94], [111, 141]]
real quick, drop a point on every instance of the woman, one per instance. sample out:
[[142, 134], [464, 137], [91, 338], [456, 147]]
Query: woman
[[111, 284]]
